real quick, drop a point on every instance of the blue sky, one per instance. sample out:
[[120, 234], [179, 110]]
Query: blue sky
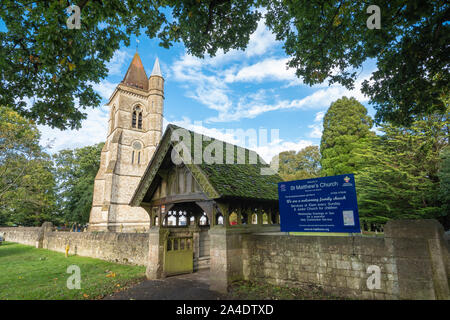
[[249, 89]]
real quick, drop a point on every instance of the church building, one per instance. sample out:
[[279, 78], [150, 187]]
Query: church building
[[135, 127], [138, 186]]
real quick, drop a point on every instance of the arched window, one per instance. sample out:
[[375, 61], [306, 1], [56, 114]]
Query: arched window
[[254, 218], [265, 218], [136, 152], [204, 220], [233, 219], [136, 120], [140, 120]]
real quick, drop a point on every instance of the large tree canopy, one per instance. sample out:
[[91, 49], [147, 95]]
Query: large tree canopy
[[75, 172], [346, 127], [303, 164], [404, 173], [26, 181], [331, 40], [52, 67]]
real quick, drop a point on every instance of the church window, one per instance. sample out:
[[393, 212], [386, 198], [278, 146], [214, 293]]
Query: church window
[[136, 121], [136, 152]]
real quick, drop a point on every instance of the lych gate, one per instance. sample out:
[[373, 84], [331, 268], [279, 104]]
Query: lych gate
[[196, 207]]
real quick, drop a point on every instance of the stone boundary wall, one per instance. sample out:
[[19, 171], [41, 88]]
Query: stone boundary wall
[[337, 264], [23, 235], [125, 248]]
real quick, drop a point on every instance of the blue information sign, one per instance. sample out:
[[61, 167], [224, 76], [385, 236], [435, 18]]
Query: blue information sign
[[325, 204]]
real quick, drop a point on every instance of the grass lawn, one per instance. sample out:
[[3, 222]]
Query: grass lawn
[[30, 273]]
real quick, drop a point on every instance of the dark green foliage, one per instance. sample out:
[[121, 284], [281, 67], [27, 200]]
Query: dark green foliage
[[75, 171], [41, 58], [444, 190], [401, 178], [329, 40], [26, 182], [346, 125], [444, 177], [304, 164]]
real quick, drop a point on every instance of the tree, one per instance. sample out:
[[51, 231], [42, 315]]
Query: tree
[[444, 189], [402, 180], [304, 164], [26, 182], [346, 128], [331, 39], [43, 61], [75, 171]]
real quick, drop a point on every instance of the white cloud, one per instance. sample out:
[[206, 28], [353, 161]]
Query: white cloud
[[273, 149], [319, 99], [316, 131], [104, 88], [267, 150], [261, 41], [271, 69], [93, 130], [117, 64], [319, 116]]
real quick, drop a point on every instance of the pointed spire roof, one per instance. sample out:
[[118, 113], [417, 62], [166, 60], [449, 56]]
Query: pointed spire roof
[[156, 69], [136, 76]]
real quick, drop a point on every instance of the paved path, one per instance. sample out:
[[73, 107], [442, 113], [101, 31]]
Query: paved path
[[193, 286]]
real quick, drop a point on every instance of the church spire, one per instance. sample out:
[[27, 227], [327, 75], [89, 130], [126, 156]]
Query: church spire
[[136, 76], [156, 69]]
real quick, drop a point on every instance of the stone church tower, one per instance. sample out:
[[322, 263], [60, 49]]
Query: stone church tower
[[135, 126]]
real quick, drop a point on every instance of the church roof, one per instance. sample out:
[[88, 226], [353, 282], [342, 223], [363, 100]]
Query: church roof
[[136, 76], [241, 179], [156, 69]]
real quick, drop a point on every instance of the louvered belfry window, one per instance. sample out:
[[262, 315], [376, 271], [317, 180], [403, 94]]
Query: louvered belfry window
[[137, 118]]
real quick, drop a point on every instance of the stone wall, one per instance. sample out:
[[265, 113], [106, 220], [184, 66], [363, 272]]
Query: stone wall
[[24, 235], [126, 248], [413, 258], [337, 264]]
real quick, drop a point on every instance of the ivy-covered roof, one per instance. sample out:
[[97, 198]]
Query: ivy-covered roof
[[237, 176]]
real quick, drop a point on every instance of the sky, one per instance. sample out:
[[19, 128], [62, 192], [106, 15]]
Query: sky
[[218, 96]]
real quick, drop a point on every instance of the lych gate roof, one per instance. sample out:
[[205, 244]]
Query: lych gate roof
[[136, 76], [241, 179]]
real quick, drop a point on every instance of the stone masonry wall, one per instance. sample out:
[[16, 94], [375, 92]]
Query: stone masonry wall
[[125, 248], [413, 259], [24, 235], [337, 264]]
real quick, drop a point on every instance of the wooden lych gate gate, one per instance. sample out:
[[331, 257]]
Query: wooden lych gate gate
[[178, 255]]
